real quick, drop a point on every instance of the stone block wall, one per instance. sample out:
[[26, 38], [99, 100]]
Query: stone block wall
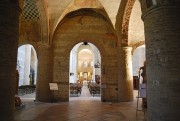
[[30, 31], [79, 29]]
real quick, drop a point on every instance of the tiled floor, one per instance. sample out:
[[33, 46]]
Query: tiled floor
[[83, 108]]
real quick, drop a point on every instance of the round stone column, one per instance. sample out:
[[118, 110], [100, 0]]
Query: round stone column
[[9, 22], [162, 38], [125, 83]]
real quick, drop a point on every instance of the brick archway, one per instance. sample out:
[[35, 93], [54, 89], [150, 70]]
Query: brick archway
[[122, 22]]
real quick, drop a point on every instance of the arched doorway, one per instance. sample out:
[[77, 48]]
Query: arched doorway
[[138, 62], [85, 71], [27, 68]]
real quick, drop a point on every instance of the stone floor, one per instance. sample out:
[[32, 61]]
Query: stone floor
[[82, 108]]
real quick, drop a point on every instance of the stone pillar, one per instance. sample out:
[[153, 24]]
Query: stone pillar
[[162, 36], [9, 22], [45, 71], [125, 83]]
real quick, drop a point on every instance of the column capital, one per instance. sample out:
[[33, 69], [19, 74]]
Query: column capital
[[125, 49]]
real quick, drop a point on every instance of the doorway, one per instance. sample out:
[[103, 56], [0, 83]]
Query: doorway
[[83, 72], [138, 62], [27, 69]]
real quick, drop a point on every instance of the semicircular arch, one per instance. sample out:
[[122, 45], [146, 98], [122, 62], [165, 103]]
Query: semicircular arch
[[138, 44], [76, 5], [122, 24], [34, 44]]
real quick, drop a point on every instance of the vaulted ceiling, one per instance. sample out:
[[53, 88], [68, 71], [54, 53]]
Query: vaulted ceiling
[[58, 8], [123, 15]]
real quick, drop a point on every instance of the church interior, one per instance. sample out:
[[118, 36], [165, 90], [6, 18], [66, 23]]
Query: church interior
[[89, 60]]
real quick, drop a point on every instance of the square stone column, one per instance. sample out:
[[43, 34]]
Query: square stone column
[[45, 72]]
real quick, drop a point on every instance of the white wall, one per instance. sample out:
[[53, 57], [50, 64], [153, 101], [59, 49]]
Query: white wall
[[138, 59], [24, 61], [21, 61], [73, 66]]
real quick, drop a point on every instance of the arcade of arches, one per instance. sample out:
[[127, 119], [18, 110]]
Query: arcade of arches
[[115, 31]]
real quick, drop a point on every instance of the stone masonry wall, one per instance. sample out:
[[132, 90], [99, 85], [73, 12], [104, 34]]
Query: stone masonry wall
[[96, 31]]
